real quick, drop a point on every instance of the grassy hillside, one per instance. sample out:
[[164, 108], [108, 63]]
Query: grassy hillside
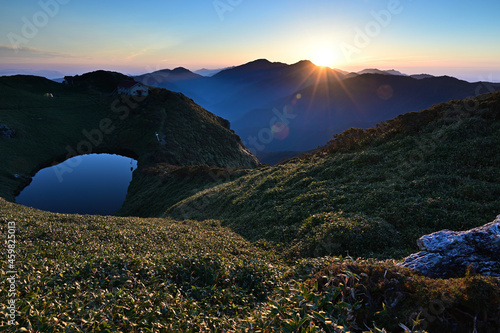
[[163, 185], [368, 192], [86, 273], [124, 274], [222, 248], [86, 118]]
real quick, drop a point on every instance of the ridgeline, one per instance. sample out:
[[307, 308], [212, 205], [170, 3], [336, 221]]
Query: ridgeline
[[208, 241], [89, 118]]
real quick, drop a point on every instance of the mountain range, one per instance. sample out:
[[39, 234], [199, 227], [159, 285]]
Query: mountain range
[[209, 72], [210, 240], [278, 107]]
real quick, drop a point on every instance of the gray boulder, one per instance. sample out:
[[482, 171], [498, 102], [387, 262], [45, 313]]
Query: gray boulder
[[6, 132], [448, 253]]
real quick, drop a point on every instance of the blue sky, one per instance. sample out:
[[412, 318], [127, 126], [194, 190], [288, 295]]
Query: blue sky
[[459, 38]]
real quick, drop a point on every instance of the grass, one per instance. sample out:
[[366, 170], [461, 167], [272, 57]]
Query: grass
[[78, 121], [205, 245], [165, 184], [369, 193], [92, 273], [83, 273]]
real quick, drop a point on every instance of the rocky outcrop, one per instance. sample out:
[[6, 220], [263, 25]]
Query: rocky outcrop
[[450, 254], [6, 132]]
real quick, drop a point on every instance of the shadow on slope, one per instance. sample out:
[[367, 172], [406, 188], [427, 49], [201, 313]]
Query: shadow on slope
[[370, 192]]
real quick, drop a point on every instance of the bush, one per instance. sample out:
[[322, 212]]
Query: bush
[[339, 234]]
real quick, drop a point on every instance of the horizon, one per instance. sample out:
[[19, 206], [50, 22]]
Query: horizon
[[68, 37], [55, 75]]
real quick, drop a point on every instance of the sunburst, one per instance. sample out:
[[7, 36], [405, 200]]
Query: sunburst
[[323, 57]]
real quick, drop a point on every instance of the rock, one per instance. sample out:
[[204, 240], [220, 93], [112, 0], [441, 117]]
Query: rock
[[18, 176], [7, 132], [448, 253]]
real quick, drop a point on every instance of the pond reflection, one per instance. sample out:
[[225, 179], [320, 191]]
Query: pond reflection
[[88, 184]]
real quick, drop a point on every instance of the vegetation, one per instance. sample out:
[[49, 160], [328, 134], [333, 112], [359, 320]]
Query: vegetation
[[352, 295], [92, 273], [372, 192], [83, 120], [85, 273], [205, 244], [165, 184]]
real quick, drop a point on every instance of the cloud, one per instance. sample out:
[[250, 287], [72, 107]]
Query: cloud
[[7, 51], [135, 55], [50, 74]]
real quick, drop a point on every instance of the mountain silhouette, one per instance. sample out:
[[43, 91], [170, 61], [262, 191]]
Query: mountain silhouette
[[209, 72], [378, 71], [235, 91], [361, 101], [331, 100]]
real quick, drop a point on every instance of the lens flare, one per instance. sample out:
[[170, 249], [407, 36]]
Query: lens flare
[[296, 99], [385, 92], [280, 130]]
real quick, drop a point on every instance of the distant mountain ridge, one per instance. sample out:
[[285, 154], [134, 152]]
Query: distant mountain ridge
[[325, 101], [378, 71], [209, 72], [226, 92], [332, 107]]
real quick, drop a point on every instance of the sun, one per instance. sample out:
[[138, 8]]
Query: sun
[[323, 57]]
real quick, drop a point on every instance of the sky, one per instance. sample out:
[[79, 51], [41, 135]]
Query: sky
[[55, 37]]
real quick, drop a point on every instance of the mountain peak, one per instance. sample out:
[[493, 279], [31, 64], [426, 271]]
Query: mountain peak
[[176, 74], [422, 76], [180, 70], [304, 63], [210, 72], [256, 66], [383, 72], [258, 61], [261, 64]]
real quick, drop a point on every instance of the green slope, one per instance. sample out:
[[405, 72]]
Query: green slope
[[89, 119], [93, 273], [237, 267], [124, 274], [367, 192], [372, 192]]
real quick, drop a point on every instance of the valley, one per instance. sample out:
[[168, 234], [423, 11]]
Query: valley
[[331, 100]]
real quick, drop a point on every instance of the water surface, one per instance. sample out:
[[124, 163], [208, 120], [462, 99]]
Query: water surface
[[88, 184]]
